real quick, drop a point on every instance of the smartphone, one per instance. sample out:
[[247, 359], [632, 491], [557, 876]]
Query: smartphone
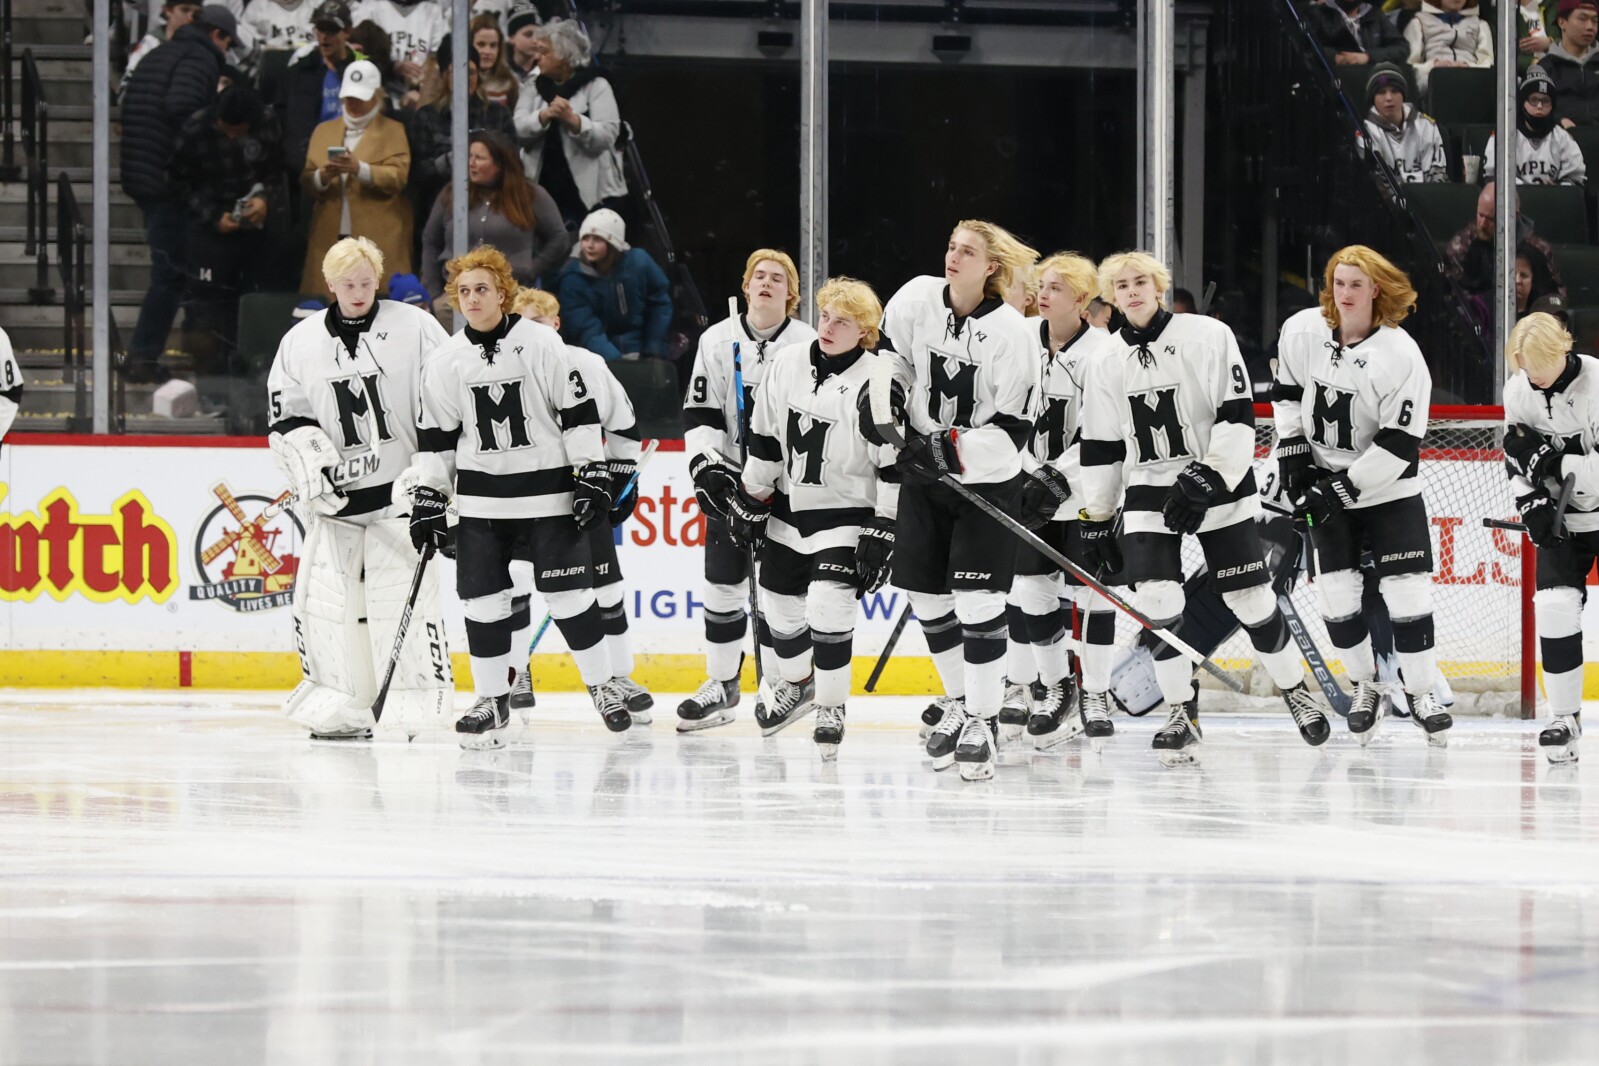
[[337, 150]]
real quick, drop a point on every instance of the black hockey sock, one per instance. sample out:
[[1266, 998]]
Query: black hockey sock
[[1347, 632], [1044, 628], [984, 642], [582, 631], [1016, 624], [763, 632], [1268, 637], [1561, 654], [792, 645], [1101, 628], [614, 620], [942, 633], [1413, 635], [485, 640], [521, 612], [725, 627], [832, 651]]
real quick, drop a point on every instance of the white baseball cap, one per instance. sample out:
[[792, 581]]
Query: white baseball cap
[[361, 80]]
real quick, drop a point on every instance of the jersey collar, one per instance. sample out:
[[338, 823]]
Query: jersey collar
[[824, 366], [349, 330], [957, 323], [1141, 339], [1567, 376], [1043, 333], [761, 342], [490, 341]]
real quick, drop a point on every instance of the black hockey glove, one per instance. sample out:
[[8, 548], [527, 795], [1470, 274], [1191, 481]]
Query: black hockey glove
[[868, 424], [874, 554], [1101, 550], [1531, 455], [1538, 515], [428, 526], [1328, 498], [591, 495], [715, 483], [1044, 491], [927, 459], [1296, 468], [1189, 497], [746, 520], [621, 470]]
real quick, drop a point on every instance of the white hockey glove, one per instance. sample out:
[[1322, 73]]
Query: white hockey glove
[[305, 454]]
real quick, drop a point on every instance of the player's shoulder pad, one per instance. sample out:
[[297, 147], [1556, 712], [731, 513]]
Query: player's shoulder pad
[[1393, 353], [1518, 390]]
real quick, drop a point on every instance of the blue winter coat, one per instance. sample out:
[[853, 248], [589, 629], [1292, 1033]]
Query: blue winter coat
[[628, 310]]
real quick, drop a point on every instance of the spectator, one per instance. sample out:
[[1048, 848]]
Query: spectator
[[570, 126], [371, 43], [1533, 279], [175, 81], [1404, 138], [1555, 304], [1469, 256], [355, 172], [618, 302], [1448, 33], [282, 25], [507, 211], [1569, 60], [522, 33], [488, 45], [1545, 153], [228, 165], [1099, 313], [1182, 302], [415, 30], [1535, 29], [1354, 32], [430, 129], [175, 14], [308, 93]]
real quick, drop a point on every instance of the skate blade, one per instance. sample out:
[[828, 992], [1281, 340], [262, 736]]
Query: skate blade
[[710, 721], [1010, 734], [943, 762], [1438, 740], [1561, 754], [641, 717], [828, 752], [977, 771], [494, 738], [777, 727], [341, 738], [1062, 736], [526, 716], [1181, 757], [1098, 744]]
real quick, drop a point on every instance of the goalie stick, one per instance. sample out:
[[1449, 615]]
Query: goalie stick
[[888, 649], [879, 392], [399, 633], [743, 460]]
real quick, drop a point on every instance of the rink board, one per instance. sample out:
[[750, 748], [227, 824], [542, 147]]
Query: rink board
[[127, 566]]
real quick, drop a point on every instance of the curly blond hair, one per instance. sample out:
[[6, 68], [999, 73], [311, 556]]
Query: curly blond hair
[[1537, 342], [855, 301], [483, 257], [1011, 257], [536, 303], [1142, 263], [1395, 298]]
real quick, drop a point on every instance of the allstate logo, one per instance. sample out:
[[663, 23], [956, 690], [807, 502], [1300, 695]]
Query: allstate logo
[[247, 551]]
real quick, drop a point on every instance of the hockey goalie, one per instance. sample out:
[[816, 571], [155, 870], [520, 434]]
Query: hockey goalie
[[343, 394]]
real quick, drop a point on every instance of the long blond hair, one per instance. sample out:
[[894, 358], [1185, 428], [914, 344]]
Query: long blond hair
[[1010, 256], [1395, 298], [1537, 342]]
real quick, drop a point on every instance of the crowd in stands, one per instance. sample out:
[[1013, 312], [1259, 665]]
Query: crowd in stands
[[256, 133]]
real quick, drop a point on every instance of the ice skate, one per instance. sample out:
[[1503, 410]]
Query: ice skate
[[946, 733], [1559, 738], [485, 724], [522, 701], [1177, 742], [829, 731], [1426, 712], [789, 703], [1014, 711], [638, 700], [1094, 707], [1310, 714], [935, 713], [340, 735], [612, 707], [711, 706], [1055, 720], [1365, 711], [976, 748]]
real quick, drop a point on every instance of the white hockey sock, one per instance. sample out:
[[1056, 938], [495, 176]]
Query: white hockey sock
[[1098, 651], [1564, 691], [1020, 666], [613, 615], [1420, 670], [491, 675], [984, 666], [521, 637], [1359, 663], [1284, 666], [943, 634], [1176, 678], [721, 660]]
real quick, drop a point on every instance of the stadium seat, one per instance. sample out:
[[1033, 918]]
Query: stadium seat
[[264, 317], [1587, 138], [1558, 212], [1579, 269], [1444, 208], [1585, 328], [1460, 95], [652, 386]]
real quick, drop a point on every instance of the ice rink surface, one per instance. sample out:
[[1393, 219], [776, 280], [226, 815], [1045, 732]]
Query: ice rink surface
[[188, 880]]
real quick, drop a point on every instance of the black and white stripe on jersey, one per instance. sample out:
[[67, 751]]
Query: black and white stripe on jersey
[[814, 520]]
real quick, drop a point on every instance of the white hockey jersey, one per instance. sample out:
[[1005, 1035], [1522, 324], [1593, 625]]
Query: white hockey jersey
[[710, 410], [414, 29], [1414, 149], [979, 374], [1363, 407], [1056, 439], [1161, 398], [1551, 160], [612, 403], [10, 385], [281, 25], [366, 402], [1568, 412], [806, 449], [516, 414]]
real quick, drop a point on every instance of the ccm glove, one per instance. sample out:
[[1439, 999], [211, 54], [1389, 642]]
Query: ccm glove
[[1189, 497], [1328, 499], [1044, 491], [715, 484], [927, 459], [591, 496], [1538, 515], [1101, 550], [1531, 455], [1296, 468], [428, 525], [746, 520], [874, 554], [621, 471]]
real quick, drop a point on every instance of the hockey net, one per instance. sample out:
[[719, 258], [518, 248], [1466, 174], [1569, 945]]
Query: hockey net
[[1482, 584]]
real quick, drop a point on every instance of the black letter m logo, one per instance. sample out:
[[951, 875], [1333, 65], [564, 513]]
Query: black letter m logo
[[959, 386], [1161, 418], [360, 404], [1332, 409], [490, 414], [807, 449]]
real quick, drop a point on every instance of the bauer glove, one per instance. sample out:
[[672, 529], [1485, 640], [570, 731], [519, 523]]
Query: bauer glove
[[715, 483], [874, 554], [591, 496], [746, 520], [622, 471], [428, 525], [1044, 491], [1101, 550], [1329, 498], [927, 459], [1296, 468], [1189, 497], [1538, 516]]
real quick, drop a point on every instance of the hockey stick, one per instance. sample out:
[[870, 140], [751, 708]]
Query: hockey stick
[[1567, 487], [1307, 647], [743, 460], [399, 633], [644, 457], [888, 649], [883, 419]]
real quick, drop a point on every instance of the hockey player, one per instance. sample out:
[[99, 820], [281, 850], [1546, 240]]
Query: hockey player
[[1350, 400], [10, 385], [1545, 441], [968, 366], [1168, 416], [1051, 498], [818, 501], [510, 425], [711, 413], [622, 447], [1545, 153], [341, 397]]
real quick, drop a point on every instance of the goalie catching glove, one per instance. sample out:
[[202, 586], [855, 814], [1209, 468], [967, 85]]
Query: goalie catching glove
[[591, 495], [1044, 492], [874, 554], [305, 454]]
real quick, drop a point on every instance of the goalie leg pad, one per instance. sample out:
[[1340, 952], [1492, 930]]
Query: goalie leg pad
[[329, 607]]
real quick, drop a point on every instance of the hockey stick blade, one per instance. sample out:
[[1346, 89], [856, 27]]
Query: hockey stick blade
[[879, 395], [1561, 503], [888, 649], [399, 633]]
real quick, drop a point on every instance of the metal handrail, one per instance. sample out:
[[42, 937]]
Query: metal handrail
[[72, 262], [35, 146], [9, 171]]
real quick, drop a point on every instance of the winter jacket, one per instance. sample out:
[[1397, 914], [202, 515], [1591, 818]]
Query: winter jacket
[[212, 171], [300, 104], [1576, 83], [533, 254], [1551, 160], [1372, 33], [628, 310], [1414, 148], [591, 153], [1434, 35], [429, 130], [173, 82]]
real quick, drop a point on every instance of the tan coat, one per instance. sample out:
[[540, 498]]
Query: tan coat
[[380, 210]]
